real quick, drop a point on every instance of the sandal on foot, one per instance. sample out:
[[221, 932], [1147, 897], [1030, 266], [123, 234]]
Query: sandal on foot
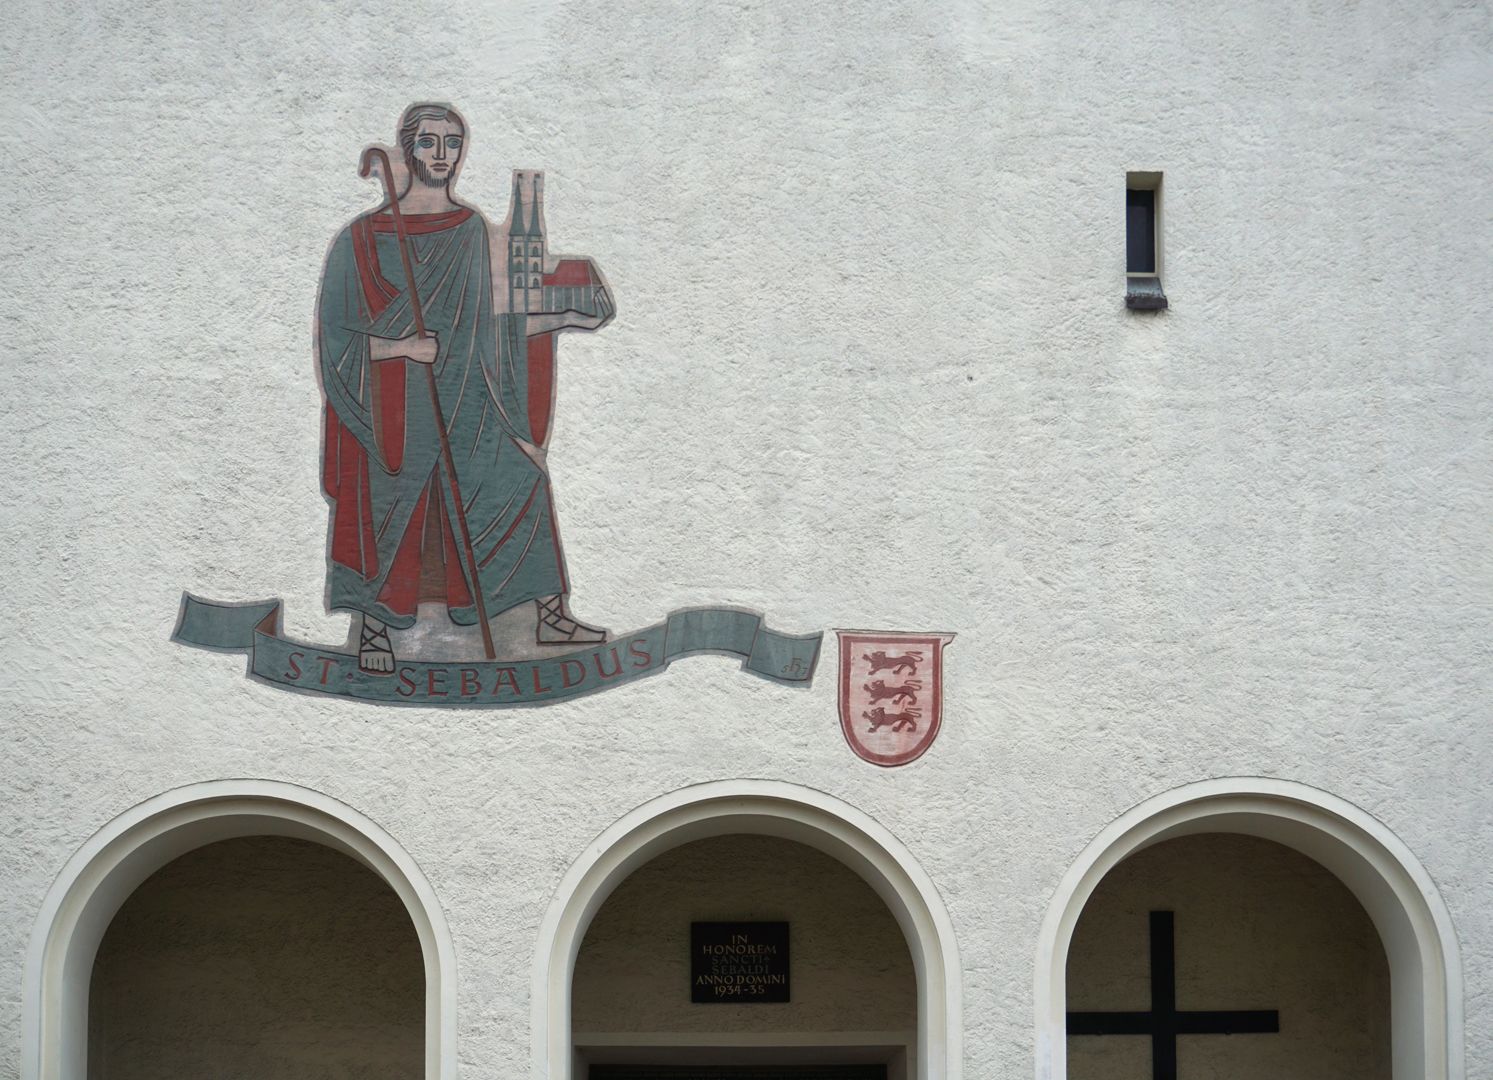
[[557, 628], [374, 647]]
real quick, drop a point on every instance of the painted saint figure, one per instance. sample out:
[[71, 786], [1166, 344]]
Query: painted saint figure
[[396, 537]]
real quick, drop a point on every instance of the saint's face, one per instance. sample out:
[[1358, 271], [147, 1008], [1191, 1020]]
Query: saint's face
[[437, 150]]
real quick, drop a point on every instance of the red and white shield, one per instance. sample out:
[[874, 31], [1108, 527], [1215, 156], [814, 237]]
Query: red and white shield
[[891, 693]]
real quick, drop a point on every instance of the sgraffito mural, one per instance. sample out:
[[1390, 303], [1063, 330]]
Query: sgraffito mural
[[436, 348]]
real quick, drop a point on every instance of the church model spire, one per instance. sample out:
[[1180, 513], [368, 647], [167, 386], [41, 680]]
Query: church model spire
[[526, 254]]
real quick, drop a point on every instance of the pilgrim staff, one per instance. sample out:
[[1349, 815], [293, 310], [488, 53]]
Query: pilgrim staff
[[447, 463]]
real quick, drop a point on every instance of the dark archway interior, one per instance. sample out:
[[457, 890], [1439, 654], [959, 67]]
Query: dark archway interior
[[1187, 947], [852, 996], [259, 958]]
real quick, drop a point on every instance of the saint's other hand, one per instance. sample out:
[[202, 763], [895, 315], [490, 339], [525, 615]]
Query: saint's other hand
[[420, 350]]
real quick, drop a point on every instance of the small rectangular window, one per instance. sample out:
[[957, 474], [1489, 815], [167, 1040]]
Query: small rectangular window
[[1140, 231], [1143, 241]]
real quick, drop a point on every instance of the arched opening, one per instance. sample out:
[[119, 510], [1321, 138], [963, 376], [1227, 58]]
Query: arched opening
[[752, 809], [258, 956], [1219, 954], [800, 966], [1382, 875], [113, 864]]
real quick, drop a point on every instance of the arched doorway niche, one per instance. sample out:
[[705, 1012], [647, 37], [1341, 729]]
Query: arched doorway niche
[[1394, 889], [769, 808], [108, 868]]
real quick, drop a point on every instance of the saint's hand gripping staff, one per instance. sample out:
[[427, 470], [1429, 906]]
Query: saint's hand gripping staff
[[448, 466]]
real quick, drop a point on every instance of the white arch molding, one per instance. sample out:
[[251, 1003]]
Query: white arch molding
[[769, 808], [1395, 890], [120, 856]]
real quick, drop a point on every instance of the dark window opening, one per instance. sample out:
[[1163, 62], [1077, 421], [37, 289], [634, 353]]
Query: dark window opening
[[1140, 231]]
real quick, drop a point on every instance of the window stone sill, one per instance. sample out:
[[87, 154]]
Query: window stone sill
[[1144, 294]]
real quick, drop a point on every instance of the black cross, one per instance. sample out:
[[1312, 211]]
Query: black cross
[[1164, 1023]]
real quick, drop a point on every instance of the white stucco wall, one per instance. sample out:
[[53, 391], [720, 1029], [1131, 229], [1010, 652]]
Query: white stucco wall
[[870, 368]]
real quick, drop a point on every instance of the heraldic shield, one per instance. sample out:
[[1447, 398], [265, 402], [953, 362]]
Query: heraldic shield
[[891, 693]]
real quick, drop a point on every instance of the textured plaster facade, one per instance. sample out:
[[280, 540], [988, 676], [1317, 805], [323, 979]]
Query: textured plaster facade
[[871, 368]]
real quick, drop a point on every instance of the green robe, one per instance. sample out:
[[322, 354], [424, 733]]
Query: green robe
[[395, 539]]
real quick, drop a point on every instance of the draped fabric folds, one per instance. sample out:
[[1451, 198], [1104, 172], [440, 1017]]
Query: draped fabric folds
[[394, 536]]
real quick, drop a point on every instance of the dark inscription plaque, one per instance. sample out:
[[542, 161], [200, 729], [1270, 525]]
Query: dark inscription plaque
[[738, 963]]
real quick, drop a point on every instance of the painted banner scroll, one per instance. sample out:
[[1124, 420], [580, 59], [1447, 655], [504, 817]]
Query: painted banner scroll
[[295, 665]]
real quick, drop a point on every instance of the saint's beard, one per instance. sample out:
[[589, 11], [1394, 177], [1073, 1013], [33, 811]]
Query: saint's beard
[[428, 178]]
